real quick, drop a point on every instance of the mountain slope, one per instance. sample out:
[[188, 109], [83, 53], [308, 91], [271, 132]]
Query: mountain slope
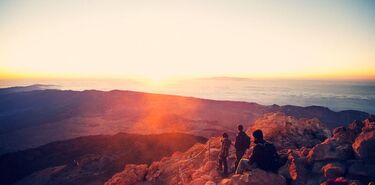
[[90, 159]]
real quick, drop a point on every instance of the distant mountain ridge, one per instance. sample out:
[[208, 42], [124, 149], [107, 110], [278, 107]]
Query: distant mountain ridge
[[26, 88], [33, 118]]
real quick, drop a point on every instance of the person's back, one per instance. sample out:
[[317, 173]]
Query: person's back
[[242, 144], [242, 141], [264, 154]]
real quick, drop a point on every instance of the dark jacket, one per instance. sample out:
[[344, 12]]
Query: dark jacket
[[265, 156], [242, 141]]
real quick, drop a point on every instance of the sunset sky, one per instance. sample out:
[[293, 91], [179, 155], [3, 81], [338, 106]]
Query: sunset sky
[[178, 39]]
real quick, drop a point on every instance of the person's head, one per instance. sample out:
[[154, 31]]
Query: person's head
[[225, 135], [240, 128], [258, 134]]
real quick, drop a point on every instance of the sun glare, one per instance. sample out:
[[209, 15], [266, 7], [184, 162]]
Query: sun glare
[[155, 82]]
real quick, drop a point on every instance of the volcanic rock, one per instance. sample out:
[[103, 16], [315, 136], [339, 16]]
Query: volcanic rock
[[297, 169], [195, 166], [331, 149], [131, 174], [361, 168], [333, 170], [290, 132], [364, 144], [255, 177]]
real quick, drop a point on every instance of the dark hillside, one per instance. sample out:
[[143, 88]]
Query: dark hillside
[[94, 158]]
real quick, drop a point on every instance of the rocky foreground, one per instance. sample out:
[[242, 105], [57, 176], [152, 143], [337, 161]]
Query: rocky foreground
[[314, 156]]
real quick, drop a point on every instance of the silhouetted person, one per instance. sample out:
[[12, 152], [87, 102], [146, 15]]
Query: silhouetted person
[[264, 156], [241, 145], [224, 152]]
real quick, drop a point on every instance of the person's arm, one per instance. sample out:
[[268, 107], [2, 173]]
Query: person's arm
[[237, 143], [254, 157], [248, 142], [226, 149]]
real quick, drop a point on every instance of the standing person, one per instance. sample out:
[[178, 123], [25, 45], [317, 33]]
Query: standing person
[[224, 152], [241, 145]]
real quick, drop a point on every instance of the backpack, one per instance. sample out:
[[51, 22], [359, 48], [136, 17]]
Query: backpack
[[270, 157]]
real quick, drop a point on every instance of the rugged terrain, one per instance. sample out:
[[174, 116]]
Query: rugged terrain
[[31, 117], [89, 159], [346, 155]]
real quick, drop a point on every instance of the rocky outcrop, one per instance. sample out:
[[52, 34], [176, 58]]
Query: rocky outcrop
[[198, 165], [335, 160], [255, 177], [331, 150], [131, 174], [358, 168], [333, 170], [195, 166], [287, 132], [346, 157], [365, 142]]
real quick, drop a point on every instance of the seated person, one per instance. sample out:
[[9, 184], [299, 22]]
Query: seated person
[[264, 156]]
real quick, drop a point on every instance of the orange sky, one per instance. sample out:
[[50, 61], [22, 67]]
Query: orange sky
[[158, 40]]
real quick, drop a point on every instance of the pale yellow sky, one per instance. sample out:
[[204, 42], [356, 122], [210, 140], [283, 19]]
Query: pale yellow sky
[[177, 39]]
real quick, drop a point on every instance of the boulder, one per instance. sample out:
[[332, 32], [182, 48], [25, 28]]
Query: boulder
[[356, 182], [255, 177], [369, 122], [337, 181], [314, 179], [333, 170], [298, 169], [364, 145], [344, 134], [356, 126], [361, 169], [331, 149], [317, 166], [129, 176]]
